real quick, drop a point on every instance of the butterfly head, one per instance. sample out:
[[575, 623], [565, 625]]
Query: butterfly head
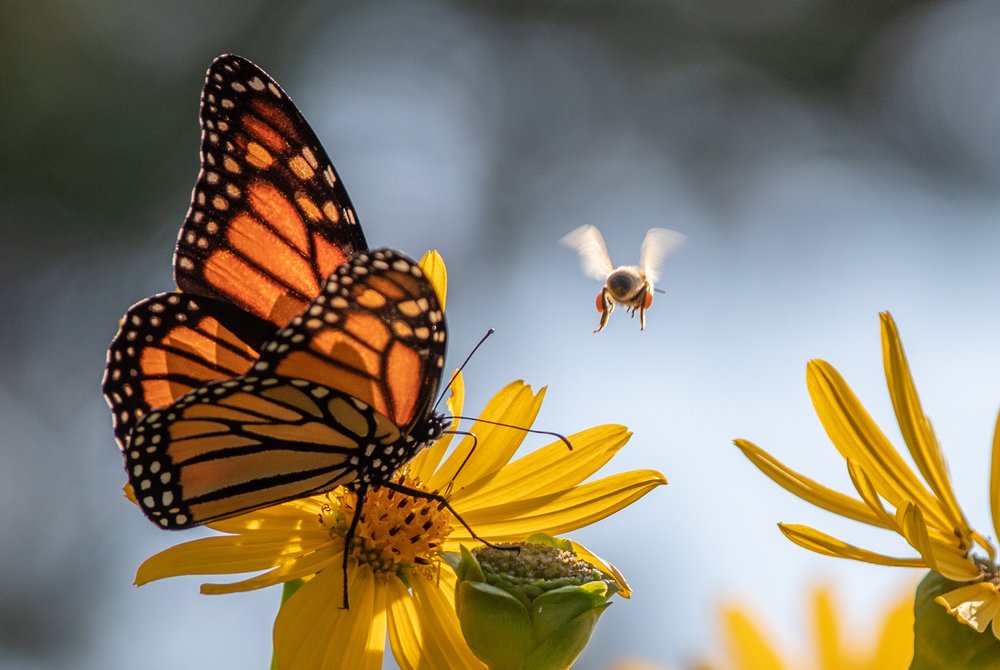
[[428, 431]]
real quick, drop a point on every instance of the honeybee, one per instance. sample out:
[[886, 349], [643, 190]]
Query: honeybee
[[627, 285]]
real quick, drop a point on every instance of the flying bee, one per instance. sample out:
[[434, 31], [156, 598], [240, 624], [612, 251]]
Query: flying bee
[[627, 285]]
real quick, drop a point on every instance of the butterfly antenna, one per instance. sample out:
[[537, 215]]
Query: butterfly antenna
[[462, 367], [658, 290], [560, 436]]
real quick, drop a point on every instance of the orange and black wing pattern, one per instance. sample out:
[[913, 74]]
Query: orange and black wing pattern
[[269, 218], [171, 343], [233, 446], [376, 331], [343, 394]]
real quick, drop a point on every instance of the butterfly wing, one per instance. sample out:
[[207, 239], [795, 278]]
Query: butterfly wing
[[657, 245], [269, 217], [300, 422], [375, 332], [171, 343], [594, 257], [236, 445]]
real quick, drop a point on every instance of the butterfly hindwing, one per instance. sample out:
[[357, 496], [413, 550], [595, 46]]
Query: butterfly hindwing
[[236, 445], [269, 218], [376, 332], [171, 343]]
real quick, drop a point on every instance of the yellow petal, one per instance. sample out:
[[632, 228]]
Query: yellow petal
[[913, 423], [405, 635], [375, 627], [821, 543], [827, 632], [747, 646], [913, 528], [809, 490], [863, 485], [311, 631], [437, 274], [553, 467], [295, 515], [225, 554], [515, 405], [975, 605], [423, 629], [894, 645], [995, 483], [624, 590], [940, 556], [298, 568], [427, 461], [560, 512], [856, 437]]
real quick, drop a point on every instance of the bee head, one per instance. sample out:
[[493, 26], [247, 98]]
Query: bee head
[[624, 283]]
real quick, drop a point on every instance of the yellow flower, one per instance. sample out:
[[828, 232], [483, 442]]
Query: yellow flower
[[397, 583], [919, 507], [748, 647]]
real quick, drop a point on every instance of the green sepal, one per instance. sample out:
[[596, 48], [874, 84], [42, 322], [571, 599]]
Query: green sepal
[[500, 633], [940, 641], [563, 646], [551, 610]]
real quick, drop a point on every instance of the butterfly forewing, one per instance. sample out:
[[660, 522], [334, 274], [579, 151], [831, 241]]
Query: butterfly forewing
[[269, 217], [171, 343], [376, 332], [236, 445]]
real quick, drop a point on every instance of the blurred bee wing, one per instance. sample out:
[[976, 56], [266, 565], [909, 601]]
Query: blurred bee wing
[[658, 244], [594, 256]]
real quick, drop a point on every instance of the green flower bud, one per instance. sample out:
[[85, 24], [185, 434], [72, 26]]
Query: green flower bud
[[941, 641], [532, 606]]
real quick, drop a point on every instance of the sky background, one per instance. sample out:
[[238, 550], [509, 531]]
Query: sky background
[[825, 159]]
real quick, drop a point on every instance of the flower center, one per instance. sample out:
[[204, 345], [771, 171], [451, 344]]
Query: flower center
[[541, 566], [395, 531]]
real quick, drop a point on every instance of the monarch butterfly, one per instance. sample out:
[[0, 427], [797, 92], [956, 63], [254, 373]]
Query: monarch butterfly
[[628, 285], [292, 360]]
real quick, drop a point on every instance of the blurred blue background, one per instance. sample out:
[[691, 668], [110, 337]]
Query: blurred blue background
[[825, 159]]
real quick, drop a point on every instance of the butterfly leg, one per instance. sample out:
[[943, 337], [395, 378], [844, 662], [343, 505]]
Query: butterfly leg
[[607, 306], [349, 537], [441, 500]]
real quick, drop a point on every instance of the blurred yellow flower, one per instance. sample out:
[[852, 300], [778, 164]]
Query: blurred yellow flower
[[920, 508], [397, 584], [747, 646]]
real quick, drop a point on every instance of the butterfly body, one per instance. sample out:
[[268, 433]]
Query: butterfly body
[[293, 359], [631, 286]]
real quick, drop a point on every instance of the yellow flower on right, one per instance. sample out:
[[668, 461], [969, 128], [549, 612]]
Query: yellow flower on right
[[920, 506]]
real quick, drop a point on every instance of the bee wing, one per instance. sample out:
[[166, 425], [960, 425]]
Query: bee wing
[[658, 244], [589, 243]]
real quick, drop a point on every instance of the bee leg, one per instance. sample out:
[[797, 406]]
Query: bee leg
[[607, 306], [643, 301]]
